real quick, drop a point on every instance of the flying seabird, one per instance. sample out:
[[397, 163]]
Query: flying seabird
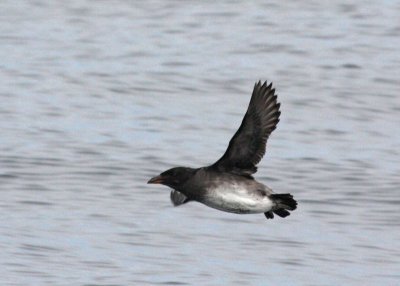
[[228, 184]]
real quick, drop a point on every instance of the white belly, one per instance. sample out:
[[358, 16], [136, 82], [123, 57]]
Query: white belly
[[237, 200]]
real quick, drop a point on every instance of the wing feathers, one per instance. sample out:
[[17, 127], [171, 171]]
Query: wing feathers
[[247, 146], [177, 198]]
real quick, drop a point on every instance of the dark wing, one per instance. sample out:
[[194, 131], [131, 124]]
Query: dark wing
[[247, 146], [177, 198]]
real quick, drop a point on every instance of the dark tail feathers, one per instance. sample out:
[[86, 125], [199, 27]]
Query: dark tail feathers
[[283, 204], [284, 201]]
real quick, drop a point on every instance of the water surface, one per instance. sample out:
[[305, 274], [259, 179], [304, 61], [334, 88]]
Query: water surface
[[97, 97]]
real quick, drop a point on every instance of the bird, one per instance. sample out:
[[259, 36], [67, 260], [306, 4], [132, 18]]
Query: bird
[[228, 184]]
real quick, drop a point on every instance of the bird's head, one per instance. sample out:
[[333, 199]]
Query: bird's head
[[173, 178]]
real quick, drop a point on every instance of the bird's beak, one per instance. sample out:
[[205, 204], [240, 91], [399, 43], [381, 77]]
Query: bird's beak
[[156, 180]]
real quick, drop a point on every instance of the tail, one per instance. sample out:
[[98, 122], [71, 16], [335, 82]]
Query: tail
[[283, 204]]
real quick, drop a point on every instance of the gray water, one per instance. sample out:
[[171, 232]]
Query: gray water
[[98, 96]]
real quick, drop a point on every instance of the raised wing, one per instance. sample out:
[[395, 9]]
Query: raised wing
[[247, 146]]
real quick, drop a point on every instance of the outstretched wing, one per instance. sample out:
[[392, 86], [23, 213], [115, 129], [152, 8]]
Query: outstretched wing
[[247, 146]]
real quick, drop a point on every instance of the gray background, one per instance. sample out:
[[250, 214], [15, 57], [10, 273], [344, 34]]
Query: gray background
[[98, 96]]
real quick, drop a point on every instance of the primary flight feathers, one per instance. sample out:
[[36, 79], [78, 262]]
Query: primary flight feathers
[[247, 146]]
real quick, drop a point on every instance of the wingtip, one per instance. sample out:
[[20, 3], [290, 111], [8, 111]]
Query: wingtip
[[264, 84], [264, 87]]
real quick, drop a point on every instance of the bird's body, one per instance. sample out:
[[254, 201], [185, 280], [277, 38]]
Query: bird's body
[[228, 184], [228, 192]]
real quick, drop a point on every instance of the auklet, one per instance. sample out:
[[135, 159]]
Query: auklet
[[228, 184]]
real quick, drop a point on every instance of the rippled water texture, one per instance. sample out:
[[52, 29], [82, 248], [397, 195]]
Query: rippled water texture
[[98, 96]]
